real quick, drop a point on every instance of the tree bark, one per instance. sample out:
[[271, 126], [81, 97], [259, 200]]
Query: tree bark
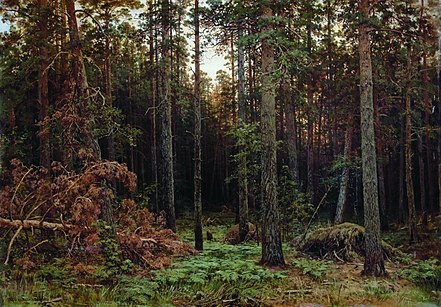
[[271, 237], [108, 83], [344, 181], [79, 74], [197, 135], [408, 154], [291, 132], [374, 261], [243, 177], [166, 140]]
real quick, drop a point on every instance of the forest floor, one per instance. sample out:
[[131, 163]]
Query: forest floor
[[229, 275]]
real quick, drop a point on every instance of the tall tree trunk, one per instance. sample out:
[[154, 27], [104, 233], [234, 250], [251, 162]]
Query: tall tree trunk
[[380, 166], [153, 90], [291, 132], [43, 97], [401, 187], [271, 237], [79, 74], [344, 180], [197, 134], [166, 141], [408, 154], [421, 174], [243, 180], [374, 261], [108, 84]]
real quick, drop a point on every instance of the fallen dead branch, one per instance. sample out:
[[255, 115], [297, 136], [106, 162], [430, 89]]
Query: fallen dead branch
[[29, 224]]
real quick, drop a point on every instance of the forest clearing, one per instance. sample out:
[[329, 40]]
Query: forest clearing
[[220, 153]]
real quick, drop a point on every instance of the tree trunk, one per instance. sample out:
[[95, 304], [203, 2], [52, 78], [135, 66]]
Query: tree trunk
[[243, 180], [197, 135], [408, 155], [374, 261], [79, 75], [291, 132], [401, 199], [166, 140], [344, 181], [108, 85], [271, 237], [421, 174], [153, 89], [43, 97]]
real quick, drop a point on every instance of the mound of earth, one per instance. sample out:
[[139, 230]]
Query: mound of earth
[[232, 237], [344, 242]]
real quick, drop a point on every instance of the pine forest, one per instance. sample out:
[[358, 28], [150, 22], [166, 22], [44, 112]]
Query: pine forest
[[220, 153]]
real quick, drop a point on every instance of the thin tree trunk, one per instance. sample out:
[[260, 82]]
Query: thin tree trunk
[[271, 237], [374, 261], [291, 133], [166, 140], [421, 174], [408, 155], [153, 89], [197, 135], [43, 97], [243, 172], [344, 181], [401, 209], [108, 85]]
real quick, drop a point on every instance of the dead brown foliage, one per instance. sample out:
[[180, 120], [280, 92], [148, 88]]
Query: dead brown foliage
[[72, 201]]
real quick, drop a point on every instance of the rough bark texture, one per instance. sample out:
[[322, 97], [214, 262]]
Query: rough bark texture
[[291, 132], [197, 135], [374, 261], [344, 180], [243, 180], [271, 236], [166, 141]]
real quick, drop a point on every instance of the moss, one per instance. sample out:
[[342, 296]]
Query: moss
[[344, 241]]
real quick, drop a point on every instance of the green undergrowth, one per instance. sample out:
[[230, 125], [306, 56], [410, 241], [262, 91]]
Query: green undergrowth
[[424, 273], [222, 273], [317, 269]]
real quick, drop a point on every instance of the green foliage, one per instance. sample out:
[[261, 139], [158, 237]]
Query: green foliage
[[221, 272], [424, 273], [56, 271], [317, 269], [247, 143], [295, 206], [137, 290]]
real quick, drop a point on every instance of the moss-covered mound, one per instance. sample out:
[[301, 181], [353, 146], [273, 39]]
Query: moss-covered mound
[[344, 242]]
